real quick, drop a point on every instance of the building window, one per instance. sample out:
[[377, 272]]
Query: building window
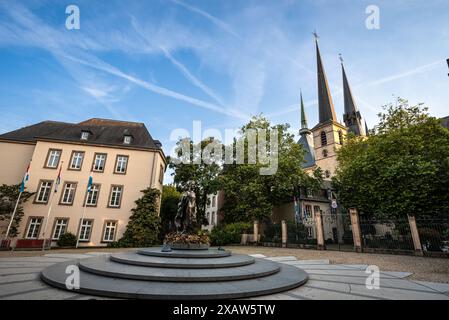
[[77, 160], [34, 227], [109, 231], [68, 194], [85, 230], [84, 135], [59, 228], [44, 192], [116, 196], [307, 211], [323, 138], [310, 232], [327, 174], [309, 193], [92, 196], [121, 164], [212, 218], [127, 139], [324, 153], [99, 162], [214, 201], [53, 158], [340, 137], [161, 174]]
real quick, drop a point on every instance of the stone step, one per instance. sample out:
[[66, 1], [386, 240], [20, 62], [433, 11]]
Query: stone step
[[132, 258], [105, 267], [287, 278], [211, 253]]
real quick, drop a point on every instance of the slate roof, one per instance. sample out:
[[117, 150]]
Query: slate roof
[[306, 141], [445, 122], [104, 132]]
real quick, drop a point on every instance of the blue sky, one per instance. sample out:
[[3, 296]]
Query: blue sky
[[169, 62]]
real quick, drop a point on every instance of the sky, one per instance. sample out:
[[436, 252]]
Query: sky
[[168, 63]]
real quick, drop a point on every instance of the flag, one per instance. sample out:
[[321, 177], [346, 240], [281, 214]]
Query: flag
[[58, 180], [26, 177], [89, 184], [297, 213]]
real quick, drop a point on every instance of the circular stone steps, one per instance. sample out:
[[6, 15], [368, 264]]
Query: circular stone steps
[[104, 266], [180, 274], [137, 259], [197, 253]]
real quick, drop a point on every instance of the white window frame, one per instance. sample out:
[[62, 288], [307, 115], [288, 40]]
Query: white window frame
[[68, 193], [34, 226], [85, 229], [116, 196], [60, 228], [77, 160], [127, 140], [84, 135], [93, 194], [110, 228], [99, 158], [54, 156], [44, 191], [121, 164]]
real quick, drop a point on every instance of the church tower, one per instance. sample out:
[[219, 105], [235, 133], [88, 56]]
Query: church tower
[[328, 134], [352, 118], [306, 140]]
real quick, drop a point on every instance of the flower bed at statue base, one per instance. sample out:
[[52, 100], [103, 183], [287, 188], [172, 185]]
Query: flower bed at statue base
[[180, 241]]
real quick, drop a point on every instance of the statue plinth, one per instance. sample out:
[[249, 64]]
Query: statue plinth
[[185, 241]]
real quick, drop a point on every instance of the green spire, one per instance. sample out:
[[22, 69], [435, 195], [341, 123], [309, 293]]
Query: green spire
[[303, 114]]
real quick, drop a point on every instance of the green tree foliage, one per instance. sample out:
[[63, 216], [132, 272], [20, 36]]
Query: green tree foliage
[[8, 199], [143, 226], [403, 168], [169, 208], [67, 240], [250, 195], [194, 169]]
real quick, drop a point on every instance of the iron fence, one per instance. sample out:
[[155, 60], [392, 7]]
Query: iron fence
[[434, 235], [392, 235]]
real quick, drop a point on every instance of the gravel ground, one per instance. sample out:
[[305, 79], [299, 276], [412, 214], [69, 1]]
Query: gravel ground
[[426, 269]]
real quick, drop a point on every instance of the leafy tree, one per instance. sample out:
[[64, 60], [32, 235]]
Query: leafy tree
[[194, 168], [169, 208], [143, 226], [401, 169], [8, 199], [250, 195]]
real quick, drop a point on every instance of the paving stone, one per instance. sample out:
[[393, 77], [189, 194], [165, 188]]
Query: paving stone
[[7, 271], [314, 262], [397, 274], [440, 287], [45, 294], [257, 255], [19, 277], [20, 287], [68, 255], [286, 258], [316, 293], [397, 293]]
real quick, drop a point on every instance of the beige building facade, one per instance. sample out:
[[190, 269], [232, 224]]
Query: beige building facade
[[121, 157]]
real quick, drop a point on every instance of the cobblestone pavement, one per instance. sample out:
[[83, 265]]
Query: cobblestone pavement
[[19, 279]]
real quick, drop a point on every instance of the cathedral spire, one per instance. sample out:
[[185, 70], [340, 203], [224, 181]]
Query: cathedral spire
[[304, 125], [352, 118], [325, 104]]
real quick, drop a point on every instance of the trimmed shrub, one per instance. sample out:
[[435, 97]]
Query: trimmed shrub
[[67, 240], [229, 234]]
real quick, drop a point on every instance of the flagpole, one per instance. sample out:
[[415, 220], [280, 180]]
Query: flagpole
[[13, 214], [57, 183], [89, 190]]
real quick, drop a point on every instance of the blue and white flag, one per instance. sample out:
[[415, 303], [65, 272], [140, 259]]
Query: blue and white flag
[[26, 177], [89, 184]]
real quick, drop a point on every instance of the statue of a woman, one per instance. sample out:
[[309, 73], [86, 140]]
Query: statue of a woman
[[185, 220]]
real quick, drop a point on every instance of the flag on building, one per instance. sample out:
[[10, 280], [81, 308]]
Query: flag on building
[[297, 211], [89, 183], [26, 177], [58, 179]]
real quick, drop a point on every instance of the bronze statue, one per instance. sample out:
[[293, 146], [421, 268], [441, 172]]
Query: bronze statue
[[185, 220]]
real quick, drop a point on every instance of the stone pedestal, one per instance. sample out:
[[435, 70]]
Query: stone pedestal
[[284, 233], [356, 232], [319, 231], [415, 235], [256, 231]]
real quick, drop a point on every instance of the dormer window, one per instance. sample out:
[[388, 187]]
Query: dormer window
[[127, 139], [85, 135]]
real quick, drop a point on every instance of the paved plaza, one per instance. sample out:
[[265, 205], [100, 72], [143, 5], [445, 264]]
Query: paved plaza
[[19, 279]]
